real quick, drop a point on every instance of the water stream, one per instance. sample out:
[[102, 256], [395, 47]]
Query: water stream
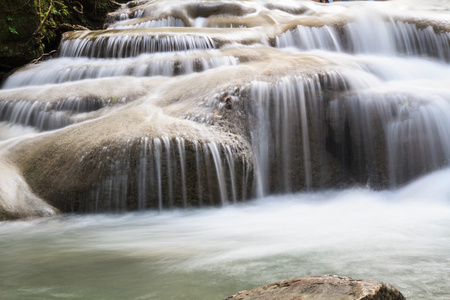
[[199, 148], [401, 237]]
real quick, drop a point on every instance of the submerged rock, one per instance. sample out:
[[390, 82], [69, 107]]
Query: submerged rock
[[326, 287]]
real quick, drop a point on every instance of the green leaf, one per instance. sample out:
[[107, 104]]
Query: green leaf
[[12, 30], [9, 18]]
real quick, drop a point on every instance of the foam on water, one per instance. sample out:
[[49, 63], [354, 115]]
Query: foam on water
[[165, 22], [69, 69], [8, 131], [357, 232]]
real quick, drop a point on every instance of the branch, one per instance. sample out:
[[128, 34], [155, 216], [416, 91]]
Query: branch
[[76, 9], [45, 19], [34, 61]]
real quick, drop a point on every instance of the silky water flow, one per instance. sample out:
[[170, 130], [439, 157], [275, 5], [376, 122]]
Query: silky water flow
[[193, 149]]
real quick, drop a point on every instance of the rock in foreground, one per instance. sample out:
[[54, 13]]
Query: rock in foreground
[[327, 287]]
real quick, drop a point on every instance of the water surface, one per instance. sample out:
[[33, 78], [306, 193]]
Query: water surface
[[401, 237]]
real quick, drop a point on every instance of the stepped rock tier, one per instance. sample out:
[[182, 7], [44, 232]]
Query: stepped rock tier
[[194, 103]]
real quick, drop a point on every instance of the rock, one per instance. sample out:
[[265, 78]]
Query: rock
[[326, 287], [125, 155], [16, 198]]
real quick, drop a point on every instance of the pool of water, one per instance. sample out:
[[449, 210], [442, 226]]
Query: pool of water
[[401, 237]]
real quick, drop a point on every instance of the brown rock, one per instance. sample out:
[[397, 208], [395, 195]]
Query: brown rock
[[326, 287]]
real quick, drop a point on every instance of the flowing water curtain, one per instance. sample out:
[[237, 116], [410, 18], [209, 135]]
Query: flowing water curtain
[[48, 115], [418, 138], [129, 45], [145, 65], [292, 134], [392, 137], [164, 22], [371, 36], [327, 130], [288, 119], [163, 173]]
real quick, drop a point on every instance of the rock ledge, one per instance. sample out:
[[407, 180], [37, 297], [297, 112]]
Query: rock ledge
[[326, 287]]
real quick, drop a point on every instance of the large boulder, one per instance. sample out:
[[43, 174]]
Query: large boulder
[[160, 144], [326, 287]]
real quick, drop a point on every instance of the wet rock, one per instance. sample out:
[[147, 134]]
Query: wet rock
[[197, 10], [140, 154], [16, 198], [326, 287]]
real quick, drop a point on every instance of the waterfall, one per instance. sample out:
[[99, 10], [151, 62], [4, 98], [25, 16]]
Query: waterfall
[[193, 104], [162, 176], [129, 45], [166, 22], [370, 36], [281, 137], [215, 146], [306, 126], [67, 70], [48, 115]]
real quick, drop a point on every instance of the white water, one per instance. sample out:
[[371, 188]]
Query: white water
[[401, 237], [65, 69]]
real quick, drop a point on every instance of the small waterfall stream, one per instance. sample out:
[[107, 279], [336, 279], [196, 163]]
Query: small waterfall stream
[[229, 144]]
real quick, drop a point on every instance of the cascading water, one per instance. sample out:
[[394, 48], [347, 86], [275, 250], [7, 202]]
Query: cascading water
[[390, 38], [330, 118], [64, 70]]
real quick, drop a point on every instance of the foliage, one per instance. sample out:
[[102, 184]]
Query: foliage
[[12, 30], [28, 28]]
